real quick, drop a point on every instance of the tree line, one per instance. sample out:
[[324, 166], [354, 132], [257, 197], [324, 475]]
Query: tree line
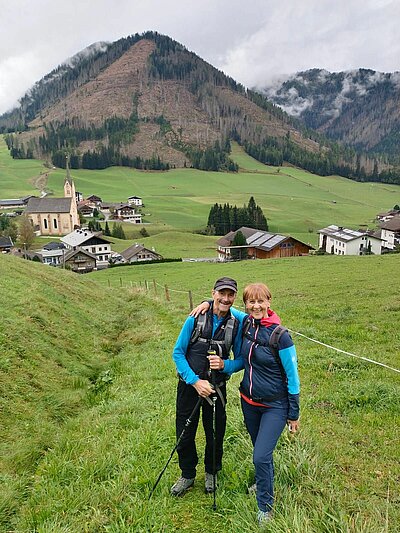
[[225, 218]]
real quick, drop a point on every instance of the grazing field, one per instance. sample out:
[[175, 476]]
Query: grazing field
[[87, 412], [294, 201]]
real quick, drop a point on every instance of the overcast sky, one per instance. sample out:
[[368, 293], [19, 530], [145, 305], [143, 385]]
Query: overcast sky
[[254, 41]]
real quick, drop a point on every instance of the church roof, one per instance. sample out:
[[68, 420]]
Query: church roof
[[49, 205]]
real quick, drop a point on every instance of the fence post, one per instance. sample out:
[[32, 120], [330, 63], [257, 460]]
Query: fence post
[[109, 284], [120, 281], [146, 285], [155, 287], [167, 294], [190, 301]]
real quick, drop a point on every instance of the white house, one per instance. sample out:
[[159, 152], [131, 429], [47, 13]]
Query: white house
[[94, 243], [343, 241], [135, 200], [390, 233], [127, 213]]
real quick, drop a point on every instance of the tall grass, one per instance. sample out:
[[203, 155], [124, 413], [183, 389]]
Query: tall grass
[[97, 443]]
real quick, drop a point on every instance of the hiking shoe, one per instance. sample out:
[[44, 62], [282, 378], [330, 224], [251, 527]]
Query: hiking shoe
[[263, 517], [181, 486], [209, 483], [252, 489]]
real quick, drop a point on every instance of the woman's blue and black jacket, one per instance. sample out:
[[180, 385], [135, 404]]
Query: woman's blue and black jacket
[[263, 381]]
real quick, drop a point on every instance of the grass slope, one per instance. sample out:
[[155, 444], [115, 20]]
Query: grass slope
[[95, 441], [294, 201]]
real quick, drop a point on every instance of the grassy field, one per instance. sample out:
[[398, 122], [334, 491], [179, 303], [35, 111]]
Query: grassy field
[[87, 412], [294, 201]]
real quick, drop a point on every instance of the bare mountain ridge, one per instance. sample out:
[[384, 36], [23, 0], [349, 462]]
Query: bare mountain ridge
[[199, 104], [360, 107]]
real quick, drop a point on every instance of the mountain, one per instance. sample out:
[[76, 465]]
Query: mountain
[[146, 101], [359, 107]]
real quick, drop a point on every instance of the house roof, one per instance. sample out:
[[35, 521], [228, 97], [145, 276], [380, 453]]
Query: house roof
[[54, 245], [393, 224], [344, 234], [71, 253], [5, 242], [8, 202], [135, 249], [80, 236], [134, 198], [49, 205], [262, 240]]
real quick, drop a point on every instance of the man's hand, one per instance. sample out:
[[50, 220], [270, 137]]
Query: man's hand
[[216, 363], [203, 388], [200, 309]]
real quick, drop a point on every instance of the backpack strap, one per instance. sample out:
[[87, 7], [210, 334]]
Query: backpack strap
[[229, 326], [274, 346], [198, 328]]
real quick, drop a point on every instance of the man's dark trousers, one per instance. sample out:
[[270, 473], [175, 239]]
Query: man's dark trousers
[[186, 400]]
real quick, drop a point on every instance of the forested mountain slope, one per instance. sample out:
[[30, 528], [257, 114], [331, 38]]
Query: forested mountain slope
[[359, 107]]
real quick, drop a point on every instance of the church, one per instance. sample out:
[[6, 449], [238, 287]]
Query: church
[[55, 216]]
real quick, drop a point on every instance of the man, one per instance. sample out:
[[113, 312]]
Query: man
[[220, 332]]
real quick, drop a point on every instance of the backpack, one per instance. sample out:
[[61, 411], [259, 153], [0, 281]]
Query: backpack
[[198, 329], [273, 344]]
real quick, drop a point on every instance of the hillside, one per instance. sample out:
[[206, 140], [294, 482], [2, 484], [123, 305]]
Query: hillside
[[87, 409], [359, 107], [145, 101]]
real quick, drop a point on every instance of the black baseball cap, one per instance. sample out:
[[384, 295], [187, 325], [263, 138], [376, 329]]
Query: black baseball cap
[[225, 283]]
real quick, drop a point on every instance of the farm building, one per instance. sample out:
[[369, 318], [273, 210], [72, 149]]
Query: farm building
[[260, 245], [127, 213], [343, 241], [390, 233], [135, 200], [137, 252]]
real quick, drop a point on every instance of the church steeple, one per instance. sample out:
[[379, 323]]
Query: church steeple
[[69, 186]]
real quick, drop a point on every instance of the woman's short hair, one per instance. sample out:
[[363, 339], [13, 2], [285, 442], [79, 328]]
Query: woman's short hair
[[256, 291]]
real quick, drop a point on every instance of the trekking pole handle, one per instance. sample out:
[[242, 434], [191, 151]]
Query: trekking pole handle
[[212, 372]]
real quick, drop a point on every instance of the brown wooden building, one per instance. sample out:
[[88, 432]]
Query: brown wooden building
[[260, 245]]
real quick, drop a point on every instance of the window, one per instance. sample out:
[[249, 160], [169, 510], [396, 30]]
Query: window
[[55, 223], [93, 250], [45, 225]]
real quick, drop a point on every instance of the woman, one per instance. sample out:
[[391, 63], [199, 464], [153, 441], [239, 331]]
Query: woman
[[269, 390]]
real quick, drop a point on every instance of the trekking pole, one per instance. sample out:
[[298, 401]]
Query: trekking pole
[[187, 424], [214, 422]]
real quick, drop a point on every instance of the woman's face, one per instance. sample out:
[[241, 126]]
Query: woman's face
[[258, 306]]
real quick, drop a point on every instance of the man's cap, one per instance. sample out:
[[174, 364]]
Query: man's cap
[[225, 283]]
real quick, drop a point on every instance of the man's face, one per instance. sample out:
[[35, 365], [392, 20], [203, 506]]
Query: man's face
[[223, 301]]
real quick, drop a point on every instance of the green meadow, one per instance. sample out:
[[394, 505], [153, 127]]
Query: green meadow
[[294, 201], [88, 399]]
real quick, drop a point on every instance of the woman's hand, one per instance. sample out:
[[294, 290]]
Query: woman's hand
[[293, 425], [216, 363], [200, 309]]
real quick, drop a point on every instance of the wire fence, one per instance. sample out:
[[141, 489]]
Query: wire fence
[[165, 291]]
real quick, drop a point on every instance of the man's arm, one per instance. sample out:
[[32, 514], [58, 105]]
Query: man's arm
[[179, 353]]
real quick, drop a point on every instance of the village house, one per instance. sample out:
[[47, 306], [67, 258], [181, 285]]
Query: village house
[[135, 200], [80, 261], [91, 242], [390, 233], [15, 203], [387, 215], [94, 201], [55, 216], [260, 245], [126, 213], [5, 244], [338, 240], [138, 252], [85, 208]]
